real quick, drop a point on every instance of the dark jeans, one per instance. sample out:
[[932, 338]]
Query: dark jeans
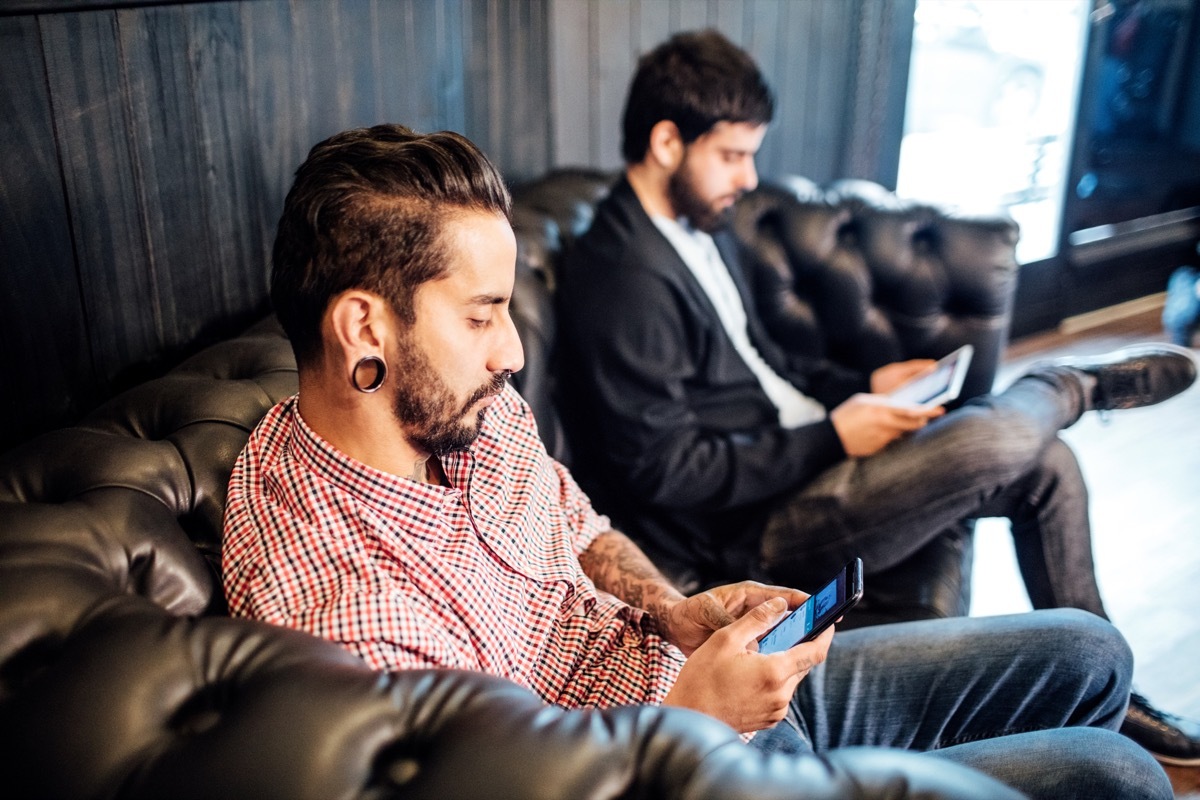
[[1033, 700], [997, 456]]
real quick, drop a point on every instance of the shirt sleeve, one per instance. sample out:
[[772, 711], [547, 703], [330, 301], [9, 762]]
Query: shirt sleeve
[[585, 522]]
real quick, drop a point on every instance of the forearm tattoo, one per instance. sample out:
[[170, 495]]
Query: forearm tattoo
[[617, 566]]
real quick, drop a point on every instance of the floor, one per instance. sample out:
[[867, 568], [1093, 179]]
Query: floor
[[1143, 469]]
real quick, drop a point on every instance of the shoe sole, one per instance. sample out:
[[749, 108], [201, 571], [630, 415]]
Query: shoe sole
[[1175, 762]]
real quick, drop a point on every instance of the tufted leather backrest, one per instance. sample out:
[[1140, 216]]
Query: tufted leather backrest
[[849, 272], [548, 215], [121, 677], [853, 273]]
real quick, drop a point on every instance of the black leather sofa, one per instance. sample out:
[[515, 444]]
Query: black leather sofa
[[121, 676]]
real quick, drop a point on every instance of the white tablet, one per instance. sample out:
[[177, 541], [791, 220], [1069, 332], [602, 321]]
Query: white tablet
[[939, 385]]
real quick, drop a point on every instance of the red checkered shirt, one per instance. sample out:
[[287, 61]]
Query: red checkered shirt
[[483, 576]]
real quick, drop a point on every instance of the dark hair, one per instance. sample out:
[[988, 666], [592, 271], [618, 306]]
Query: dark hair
[[366, 212], [695, 80]]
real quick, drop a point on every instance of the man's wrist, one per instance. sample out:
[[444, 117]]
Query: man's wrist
[[661, 610]]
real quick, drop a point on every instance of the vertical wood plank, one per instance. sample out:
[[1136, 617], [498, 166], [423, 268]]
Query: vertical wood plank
[[477, 44], [352, 32], [615, 68], [831, 57], [320, 67], [509, 116], [651, 26], [397, 67], [897, 37], [45, 365], [165, 194], [882, 41], [767, 44], [522, 76], [449, 66], [278, 119], [186, 101], [690, 15], [86, 84], [793, 54], [729, 17], [229, 181], [570, 83]]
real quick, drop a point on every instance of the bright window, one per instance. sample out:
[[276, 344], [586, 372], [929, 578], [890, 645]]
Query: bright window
[[991, 110]]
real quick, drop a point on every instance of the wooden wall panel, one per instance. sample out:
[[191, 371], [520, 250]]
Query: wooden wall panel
[[508, 84], [613, 64], [150, 146], [150, 149], [90, 96], [571, 114], [651, 23], [45, 363], [194, 167], [809, 52], [876, 101]]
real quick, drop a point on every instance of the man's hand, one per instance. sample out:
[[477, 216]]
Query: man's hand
[[689, 623], [867, 423], [729, 679], [889, 376]]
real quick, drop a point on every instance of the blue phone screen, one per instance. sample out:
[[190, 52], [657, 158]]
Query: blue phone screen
[[796, 625]]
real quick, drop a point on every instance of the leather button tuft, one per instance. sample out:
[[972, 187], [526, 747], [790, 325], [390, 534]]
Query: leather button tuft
[[403, 770]]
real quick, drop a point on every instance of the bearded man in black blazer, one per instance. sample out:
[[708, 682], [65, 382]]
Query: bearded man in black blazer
[[729, 458]]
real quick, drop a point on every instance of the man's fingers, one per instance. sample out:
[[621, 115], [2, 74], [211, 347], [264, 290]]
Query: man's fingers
[[713, 613], [811, 653], [758, 621]]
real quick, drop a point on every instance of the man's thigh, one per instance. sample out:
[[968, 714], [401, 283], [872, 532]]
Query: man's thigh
[[886, 507], [928, 685]]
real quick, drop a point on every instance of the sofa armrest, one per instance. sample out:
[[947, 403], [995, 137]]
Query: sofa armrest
[[137, 703]]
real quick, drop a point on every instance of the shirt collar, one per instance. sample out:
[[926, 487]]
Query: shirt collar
[[390, 493]]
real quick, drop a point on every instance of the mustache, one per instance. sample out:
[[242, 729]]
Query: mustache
[[492, 387]]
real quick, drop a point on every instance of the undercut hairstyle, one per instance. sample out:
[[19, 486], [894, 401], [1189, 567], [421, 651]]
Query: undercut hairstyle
[[366, 211], [695, 80]]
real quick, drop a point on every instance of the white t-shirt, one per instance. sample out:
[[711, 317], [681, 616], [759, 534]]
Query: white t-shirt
[[701, 256]]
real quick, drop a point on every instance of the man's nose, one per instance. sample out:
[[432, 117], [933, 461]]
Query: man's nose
[[508, 353], [749, 176]]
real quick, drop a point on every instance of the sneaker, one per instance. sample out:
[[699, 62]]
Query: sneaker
[[1135, 376], [1170, 739]]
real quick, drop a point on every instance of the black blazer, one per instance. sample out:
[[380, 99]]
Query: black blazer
[[675, 437]]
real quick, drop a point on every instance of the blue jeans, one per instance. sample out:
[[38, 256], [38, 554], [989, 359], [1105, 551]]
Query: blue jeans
[[1034, 700], [997, 456]]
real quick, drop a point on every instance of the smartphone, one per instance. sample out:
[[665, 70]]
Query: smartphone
[[938, 386], [818, 612]]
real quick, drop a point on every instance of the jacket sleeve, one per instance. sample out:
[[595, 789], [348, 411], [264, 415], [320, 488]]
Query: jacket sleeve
[[632, 342]]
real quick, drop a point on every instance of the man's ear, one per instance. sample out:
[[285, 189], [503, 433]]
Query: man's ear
[[666, 145], [359, 325]]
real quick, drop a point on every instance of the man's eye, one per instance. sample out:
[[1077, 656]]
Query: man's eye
[[478, 323]]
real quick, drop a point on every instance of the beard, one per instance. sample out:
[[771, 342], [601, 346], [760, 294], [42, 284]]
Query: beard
[[703, 214], [433, 420]]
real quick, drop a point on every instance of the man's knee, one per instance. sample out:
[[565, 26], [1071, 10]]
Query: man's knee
[[1094, 652], [1081, 632], [1067, 763], [993, 445], [1101, 763]]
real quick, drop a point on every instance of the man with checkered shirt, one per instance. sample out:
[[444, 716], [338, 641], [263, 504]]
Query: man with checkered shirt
[[403, 506]]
